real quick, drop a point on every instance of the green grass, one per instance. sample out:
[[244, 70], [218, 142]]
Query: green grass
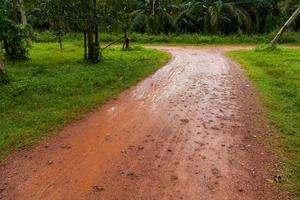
[[55, 87], [277, 77], [288, 37]]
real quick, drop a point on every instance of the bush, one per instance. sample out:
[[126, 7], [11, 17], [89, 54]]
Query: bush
[[14, 38], [4, 79]]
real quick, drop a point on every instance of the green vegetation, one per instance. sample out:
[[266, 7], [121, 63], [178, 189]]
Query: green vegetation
[[288, 37], [55, 87], [13, 36], [170, 16], [276, 75]]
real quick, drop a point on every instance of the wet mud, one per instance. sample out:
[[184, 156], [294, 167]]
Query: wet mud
[[190, 131]]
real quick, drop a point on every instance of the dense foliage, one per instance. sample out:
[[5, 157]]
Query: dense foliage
[[14, 36], [185, 16]]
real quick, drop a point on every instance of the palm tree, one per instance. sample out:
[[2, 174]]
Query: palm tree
[[287, 24], [213, 16], [152, 16]]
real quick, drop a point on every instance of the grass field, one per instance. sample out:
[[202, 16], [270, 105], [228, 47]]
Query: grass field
[[55, 87], [277, 77]]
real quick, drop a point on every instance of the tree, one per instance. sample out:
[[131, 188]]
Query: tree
[[22, 12], [56, 14], [120, 13], [74, 15], [19, 11], [86, 20], [213, 16], [152, 16], [91, 32], [285, 26]]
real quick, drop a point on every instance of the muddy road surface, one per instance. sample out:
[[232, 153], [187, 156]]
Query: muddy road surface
[[190, 131]]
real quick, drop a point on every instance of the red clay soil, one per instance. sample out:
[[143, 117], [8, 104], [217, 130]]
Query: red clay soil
[[190, 131]]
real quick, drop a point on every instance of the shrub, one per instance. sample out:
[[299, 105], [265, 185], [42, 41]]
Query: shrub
[[14, 38]]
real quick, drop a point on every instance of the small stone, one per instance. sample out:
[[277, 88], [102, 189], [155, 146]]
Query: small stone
[[130, 174], [107, 138], [185, 121], [269, 180], [98, 188], [2, 188], [65, 146], [241, 190], [49, 162], [140, 147], [278, 179], [174, 178]]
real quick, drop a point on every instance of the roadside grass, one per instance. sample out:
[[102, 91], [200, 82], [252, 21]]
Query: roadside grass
[[194, 39], [55, 87], [276, 74]]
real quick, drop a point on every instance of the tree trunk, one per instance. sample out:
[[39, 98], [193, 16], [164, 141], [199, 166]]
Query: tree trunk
[[126, 39], [60, 42], [19, 13], [96, 45], [2, 67], [153, 8], [90, 44], [92, 35], [287, 24], [15, 11], [85, 50], [97, 53], [22, 12]]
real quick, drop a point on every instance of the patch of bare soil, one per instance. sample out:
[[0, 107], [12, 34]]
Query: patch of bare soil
[[191, 131]]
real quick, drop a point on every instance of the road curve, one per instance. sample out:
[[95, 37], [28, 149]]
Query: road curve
[[190, 131]]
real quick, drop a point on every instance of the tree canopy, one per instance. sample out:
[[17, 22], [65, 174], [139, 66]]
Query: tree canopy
[[180, 16]]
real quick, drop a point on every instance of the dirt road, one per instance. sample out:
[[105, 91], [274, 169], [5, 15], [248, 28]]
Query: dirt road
[[190, 131]]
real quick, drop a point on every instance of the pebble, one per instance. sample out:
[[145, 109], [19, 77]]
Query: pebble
[[98, 188], [174, 178]]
